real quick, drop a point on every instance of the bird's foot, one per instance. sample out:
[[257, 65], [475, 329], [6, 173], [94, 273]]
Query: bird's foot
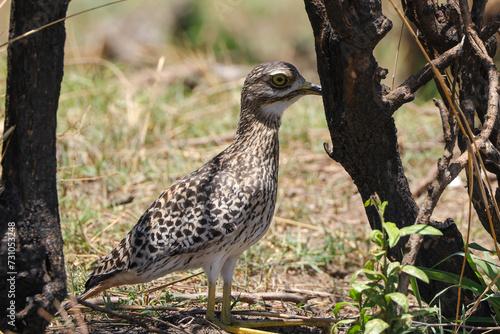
[[233, 325], [280, 323]]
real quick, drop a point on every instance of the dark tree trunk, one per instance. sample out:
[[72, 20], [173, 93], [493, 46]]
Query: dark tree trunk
[[359, 112], [32, 274]]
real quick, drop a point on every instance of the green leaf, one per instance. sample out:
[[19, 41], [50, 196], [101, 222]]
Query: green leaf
[[443, 276], [355, 275], [337, 307], [377, 237], [376, 326], [419, 229], [393, 268], [355, 295], [406, 320], [472, 262], [379, 254], [424, 311], [369, 202], [355, 330], [370, 265], [416, 272], [393, 233], [362, 287], [399, 299], [364, 318], [481, 248], [416, 291], [374, 275], [489, 267], [345, 322], [379, 205]]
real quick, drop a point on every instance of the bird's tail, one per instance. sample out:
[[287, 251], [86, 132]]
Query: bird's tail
[[99, 283], [111, 271]]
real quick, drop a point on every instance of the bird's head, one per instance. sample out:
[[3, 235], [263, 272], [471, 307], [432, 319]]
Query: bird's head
[[270, 88]]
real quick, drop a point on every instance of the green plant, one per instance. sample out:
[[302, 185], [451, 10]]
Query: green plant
[[487, 285], [381, 308]]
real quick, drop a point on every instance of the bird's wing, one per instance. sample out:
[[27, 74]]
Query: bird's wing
[[194, 214]]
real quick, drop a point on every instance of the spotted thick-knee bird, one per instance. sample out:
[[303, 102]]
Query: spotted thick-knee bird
[[210, 217]]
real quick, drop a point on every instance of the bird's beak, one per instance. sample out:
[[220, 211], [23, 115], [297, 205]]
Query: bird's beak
[[310, 88]]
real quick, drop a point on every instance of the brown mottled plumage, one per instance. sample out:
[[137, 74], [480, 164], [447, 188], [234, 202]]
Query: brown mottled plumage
[[209, 217]]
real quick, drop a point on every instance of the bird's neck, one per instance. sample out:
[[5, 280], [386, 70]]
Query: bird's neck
[[258, 131]]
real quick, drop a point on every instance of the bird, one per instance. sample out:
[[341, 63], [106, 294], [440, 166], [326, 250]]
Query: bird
[[208, 218]]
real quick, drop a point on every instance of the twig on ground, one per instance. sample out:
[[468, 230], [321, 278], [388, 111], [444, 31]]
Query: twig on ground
[[197, 311], [253, 298], [149, 328], [166, 323], [309, 292], [65, 316], [478, 328], [289, 295]]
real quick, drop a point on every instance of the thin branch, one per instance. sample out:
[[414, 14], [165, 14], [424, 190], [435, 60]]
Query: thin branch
[[491, 152], [404, 92], [150, 329], [445, 174], [491, 28]]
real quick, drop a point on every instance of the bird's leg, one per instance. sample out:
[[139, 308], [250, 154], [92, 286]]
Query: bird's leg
[[211, 302], [225, 325], [225, 315], [233, 325]]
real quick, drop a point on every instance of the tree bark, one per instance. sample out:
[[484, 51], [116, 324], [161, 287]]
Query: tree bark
[[32, 273], [359, 112]]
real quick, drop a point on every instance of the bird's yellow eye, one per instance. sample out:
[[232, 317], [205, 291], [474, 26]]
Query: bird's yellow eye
[[279, 79]]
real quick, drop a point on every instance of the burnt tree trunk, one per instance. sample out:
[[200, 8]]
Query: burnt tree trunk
[[359, 112], [32, 273]]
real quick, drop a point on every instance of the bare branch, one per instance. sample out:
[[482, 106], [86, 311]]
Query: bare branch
[[404, 93], [437, 23], [481, 52], [445, 174], [491, 28]]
